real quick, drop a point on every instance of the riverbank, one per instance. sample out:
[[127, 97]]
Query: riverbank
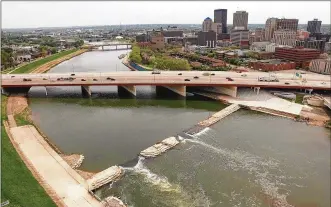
[[15, 112], [21, 185], [27, 68]]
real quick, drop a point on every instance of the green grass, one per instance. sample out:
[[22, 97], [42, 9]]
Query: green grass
[[23, 118], [18, 185], [299, 98], [30, 67]]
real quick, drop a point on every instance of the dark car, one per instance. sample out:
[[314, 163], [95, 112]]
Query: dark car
[[83, 79], [212, 74], [229, 79], [25, 79], [73, 74], [44, 78], [156, 72], [196, 77], [71, 78], [13, 76], [180, 74], [112, 79], [94, 79], [187, 79], [287, 83]]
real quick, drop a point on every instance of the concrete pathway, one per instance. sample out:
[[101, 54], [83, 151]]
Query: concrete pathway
[[65, 181]]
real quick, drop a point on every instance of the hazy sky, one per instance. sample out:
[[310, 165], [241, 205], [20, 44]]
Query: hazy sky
[[52, 14]]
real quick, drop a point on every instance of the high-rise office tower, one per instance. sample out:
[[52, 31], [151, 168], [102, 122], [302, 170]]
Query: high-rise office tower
[[270, 27], [221, 16], [240, 19], [314, 27]]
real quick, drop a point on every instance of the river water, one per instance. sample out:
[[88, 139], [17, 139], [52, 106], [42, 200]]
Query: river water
[[246, 159]]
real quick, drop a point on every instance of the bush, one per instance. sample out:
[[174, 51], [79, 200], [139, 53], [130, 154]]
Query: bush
[[167, 63], [135, 55]]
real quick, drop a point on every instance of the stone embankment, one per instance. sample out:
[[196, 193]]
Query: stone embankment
[[45, 67], [111, 174], [160, 147]]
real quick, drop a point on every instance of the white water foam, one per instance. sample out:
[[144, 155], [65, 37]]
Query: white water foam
[[238, 160], [204, 131], [184, 199], [150, 177]]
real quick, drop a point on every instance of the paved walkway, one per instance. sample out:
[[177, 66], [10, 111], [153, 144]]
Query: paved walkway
[[65, 181]]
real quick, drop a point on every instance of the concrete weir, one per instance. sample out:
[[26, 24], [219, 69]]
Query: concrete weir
[[219, 115], [106, 176], [160, 147], [127, 89], [112, 201], [180, 90]]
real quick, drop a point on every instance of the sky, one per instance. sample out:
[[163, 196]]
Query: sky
[[31, 14]]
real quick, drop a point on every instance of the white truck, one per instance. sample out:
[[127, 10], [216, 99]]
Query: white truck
[[268, 79]]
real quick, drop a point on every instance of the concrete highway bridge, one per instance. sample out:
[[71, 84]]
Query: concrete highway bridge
[[175, 81]]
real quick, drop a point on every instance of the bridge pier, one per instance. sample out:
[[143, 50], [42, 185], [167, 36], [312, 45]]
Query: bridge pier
[[127, 90], [116, 47], [86, 91], [179, 90], [102, 48], [16, 90], [227, 90]]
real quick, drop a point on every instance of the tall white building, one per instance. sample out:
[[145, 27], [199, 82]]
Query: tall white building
[[240, 19], [270, 27]]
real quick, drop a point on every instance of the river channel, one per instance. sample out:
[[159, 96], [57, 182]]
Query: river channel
[[246, 159]]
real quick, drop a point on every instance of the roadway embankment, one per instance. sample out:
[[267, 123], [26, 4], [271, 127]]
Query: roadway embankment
[[54, 171]]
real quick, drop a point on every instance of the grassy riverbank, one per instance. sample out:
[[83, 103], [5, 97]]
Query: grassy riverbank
[[18, 185], [30, 67]]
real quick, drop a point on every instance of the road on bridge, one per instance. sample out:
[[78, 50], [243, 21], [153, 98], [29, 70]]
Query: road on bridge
[[245, 79]]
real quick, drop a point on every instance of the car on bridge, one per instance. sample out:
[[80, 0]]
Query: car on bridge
[[111, 79], [196, 77], [156, 72], [229, 79], [187, 79], [268, 79]]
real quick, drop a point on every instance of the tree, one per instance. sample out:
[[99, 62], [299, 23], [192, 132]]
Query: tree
[[78, 43]]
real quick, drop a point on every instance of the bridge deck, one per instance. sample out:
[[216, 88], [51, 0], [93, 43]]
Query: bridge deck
[[314, 81]]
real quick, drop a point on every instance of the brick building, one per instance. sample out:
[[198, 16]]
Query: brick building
[[157, 41], [322, 66], [271, 65], [240, 37], [301, 56]]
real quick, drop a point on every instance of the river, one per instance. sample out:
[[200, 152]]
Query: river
[[247, 159]]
